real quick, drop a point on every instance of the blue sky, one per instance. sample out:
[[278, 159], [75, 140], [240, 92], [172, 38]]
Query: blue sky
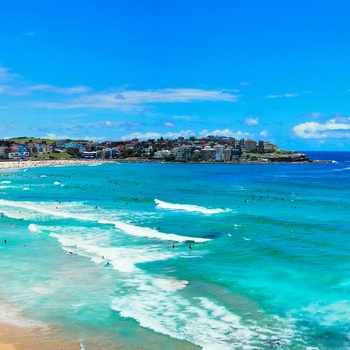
[[101, 70]]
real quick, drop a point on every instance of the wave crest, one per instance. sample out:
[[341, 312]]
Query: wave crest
[[187, 207], [139, 231]]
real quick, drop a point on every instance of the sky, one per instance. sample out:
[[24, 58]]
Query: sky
[[100, 70]]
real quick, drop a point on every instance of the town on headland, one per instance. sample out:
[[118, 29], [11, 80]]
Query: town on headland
[[210, 149]]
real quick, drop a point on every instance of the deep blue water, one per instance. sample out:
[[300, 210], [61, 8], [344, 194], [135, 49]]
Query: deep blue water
[[268, 265]]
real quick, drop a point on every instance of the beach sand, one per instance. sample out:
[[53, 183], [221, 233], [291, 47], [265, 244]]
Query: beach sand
[[6, 165], [18, 338], [7, 347]]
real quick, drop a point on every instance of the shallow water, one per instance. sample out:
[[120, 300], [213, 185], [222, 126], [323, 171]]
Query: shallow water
[[268, 264]]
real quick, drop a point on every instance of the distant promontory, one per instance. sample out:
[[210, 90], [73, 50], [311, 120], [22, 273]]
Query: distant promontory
[[210, 149]]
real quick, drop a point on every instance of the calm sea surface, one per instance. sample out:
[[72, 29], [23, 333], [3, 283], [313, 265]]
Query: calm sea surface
[[180, 256]]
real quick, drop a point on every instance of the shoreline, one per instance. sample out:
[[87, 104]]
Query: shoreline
[[13, 165]]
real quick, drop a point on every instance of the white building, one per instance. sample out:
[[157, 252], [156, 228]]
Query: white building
[[19, 156]]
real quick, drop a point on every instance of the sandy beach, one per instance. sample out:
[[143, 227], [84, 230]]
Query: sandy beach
[[4, 346], [18, 338], [6, 165]]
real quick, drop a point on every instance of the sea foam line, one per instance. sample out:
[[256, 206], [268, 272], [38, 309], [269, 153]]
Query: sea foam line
[[127, 228], [342, 169], [187, 207], [151, 233]]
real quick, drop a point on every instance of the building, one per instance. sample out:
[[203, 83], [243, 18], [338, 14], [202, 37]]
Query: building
[[18, 155], [227, 154], [250, 146]]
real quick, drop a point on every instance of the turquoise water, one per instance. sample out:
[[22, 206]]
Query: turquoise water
[[269, 264]]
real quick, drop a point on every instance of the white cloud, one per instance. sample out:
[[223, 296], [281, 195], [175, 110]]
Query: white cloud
[[314, 115], [131, 99], [251, 121], [288, 95], [55, 136], [169, 124], [55, 97], [155, 135], [59, 90], [6, 76], [264, 133], [95, 138], [142, 136], [30, 34], [185, 117], [330, 129], [225, 132], [187, 134]]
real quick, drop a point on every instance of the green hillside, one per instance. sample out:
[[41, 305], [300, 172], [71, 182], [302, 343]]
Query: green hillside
[[25, 139]]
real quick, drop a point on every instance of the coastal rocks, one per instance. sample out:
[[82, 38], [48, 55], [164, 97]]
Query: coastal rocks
[[291, 158]]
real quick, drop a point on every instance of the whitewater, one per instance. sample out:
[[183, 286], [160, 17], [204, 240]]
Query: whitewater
[[179, 256]]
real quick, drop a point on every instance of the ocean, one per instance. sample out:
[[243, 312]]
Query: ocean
[[180, 256]]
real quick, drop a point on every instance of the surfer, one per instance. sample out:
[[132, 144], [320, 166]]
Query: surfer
[[189, 246]]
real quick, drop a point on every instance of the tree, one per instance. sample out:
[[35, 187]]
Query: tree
[[73, 151]]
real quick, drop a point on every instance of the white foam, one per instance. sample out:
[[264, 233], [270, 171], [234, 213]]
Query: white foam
[[72, 211], [169, 283], [187, 207], [5, 182], [139, 231], [94, 245], [57, 183], [333, 314], [342, 169], [12, 316], [34, 228], [69, 210], [202, 321]]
